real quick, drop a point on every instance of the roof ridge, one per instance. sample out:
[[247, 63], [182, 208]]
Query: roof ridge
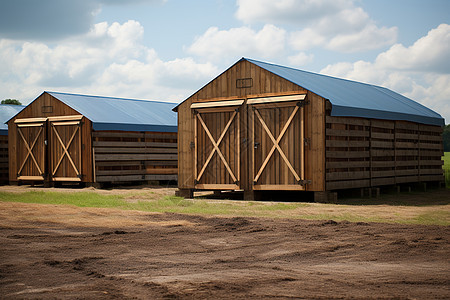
[[310, 72], [106, 97]]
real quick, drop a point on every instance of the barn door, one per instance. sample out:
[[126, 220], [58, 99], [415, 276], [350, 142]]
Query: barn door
[[216, 143], [65, 148], [278, 136], [31, 150]]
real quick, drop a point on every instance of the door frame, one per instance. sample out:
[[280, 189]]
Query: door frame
[[54, 123], [296, 101], [32, 122], [199, 108]]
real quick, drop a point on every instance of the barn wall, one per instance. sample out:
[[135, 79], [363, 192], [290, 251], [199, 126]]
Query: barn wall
[[135, 156], [315, 142], [48, 106], [369, 153], [4, 174], [256, 82]]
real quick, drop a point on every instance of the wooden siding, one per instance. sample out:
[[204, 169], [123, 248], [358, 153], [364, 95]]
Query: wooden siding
[[119, 156], [369, 153], [4, 175], [242, 81], [134, 156], [263, 83], [46, 106]]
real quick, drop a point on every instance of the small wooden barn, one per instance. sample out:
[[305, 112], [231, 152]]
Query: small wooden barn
[[62, 137], [6, 112], [260, 126]]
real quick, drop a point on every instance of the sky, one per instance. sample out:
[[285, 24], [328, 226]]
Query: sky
[[168, 49]]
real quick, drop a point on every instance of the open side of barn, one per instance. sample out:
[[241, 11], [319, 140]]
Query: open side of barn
[[73, 138], [259, 126]]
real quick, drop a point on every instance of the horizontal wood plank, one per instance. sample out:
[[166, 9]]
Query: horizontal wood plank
[[347, 154], [350, 133], [126, 178], [135, 150], [118, 157], [347, 175], [355, 144], [134, 144], [347, 164], [350, 184]]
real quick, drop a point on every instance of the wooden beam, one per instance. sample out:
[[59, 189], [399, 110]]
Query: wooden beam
[[263, 100], [216, 104], [278, 187], [217, 186]]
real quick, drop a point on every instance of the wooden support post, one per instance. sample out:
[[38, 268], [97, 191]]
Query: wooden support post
[[377, 192], [321, 197], [185, 193], [95, 185], [252, 195], [398, 189], [424, 185]]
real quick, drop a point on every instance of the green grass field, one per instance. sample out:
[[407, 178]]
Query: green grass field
[[447, 169], [434, 213]]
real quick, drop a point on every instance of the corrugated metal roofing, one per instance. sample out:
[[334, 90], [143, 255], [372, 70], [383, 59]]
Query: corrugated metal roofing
[[356, 99], [7, 111], [107, 113]]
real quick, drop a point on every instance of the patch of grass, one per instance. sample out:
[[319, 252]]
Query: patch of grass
[[446, 167], [85, 199], [436, 214]]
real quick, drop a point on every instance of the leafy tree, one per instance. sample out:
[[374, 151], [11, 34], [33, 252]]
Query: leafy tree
[[11, 101], [446, 138]]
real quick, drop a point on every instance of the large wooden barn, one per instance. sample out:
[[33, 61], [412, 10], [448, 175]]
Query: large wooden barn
[[7, 111], [260, 126], [62, 137]]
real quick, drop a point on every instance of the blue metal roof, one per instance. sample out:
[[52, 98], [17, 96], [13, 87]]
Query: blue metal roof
[[7, 111], [107, 113], [356, 99]]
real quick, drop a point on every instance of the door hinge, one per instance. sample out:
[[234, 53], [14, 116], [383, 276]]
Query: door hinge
[[304, 182], [302, 103], [307, 141], [192, 145]]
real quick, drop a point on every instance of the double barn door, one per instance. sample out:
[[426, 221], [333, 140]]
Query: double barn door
[[49, 148], [266, 139]]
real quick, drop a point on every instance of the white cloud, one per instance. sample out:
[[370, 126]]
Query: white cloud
[[429, 53], [110, 60], [337, 25], [217, 44], [282, 11], [420, 72], [300, 59]]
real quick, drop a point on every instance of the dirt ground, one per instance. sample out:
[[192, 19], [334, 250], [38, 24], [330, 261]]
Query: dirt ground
[[50, 251]]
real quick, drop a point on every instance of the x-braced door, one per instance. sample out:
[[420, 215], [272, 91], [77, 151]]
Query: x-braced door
[[278, 135], [217, 148], [65, 148], [30, 148]]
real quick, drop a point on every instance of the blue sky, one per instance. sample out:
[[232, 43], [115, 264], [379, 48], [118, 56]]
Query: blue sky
[[168, 49]]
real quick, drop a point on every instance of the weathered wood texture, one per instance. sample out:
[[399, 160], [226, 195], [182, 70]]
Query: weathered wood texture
[[370, 153], [134, 156], [4, 175], [46, 106], [69, 154], [264, 141]]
